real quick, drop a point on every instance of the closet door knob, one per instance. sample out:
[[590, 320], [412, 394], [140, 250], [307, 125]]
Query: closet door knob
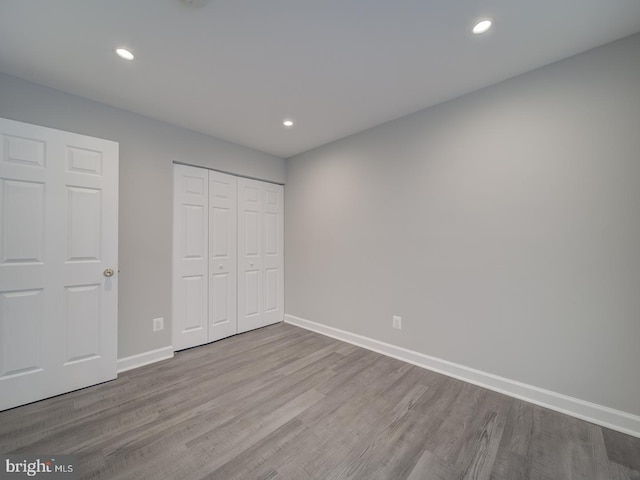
[[108, 272]]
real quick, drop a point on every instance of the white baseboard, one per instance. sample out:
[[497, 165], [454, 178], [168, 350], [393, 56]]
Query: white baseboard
[[600, 415], [146, 358]]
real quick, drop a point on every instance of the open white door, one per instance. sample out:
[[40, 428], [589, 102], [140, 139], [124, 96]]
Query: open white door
[[58, 262]]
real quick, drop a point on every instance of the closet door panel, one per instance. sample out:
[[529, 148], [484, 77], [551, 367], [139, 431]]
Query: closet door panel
[[261, 256], [223, 277], [273, 254], [190, 256], [250, 299]]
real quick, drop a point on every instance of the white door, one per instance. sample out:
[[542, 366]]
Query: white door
[[222, 255], [260, 254], [190, 256], [58, 262]]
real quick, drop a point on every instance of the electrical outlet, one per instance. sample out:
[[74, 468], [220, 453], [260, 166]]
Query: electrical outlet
[[158, 324], [397, 322]]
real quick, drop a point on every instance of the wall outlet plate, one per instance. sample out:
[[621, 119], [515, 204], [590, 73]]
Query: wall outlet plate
[[158, 324], [396, 322]]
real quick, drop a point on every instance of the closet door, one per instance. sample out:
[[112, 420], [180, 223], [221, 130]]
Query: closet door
[[190, 256], [227, 255], [260, 255], [223, 276]]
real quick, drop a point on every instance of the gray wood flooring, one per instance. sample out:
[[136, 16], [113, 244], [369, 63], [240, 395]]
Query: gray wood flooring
[[285, 403]]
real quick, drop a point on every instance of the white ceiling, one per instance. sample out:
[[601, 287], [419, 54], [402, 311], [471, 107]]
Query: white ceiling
[[235, 69]]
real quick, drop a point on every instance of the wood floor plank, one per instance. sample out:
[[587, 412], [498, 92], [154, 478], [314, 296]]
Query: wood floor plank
[[622, 449], [519, 427], [283, 403], [510, 466]]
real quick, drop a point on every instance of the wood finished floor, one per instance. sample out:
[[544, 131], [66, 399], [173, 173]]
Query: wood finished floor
[[285, 403]]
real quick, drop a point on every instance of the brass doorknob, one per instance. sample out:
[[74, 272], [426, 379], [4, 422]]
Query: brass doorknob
[[108, 273]]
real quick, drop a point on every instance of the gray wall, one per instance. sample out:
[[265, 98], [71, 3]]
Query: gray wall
[[503, 226], [147, 150]]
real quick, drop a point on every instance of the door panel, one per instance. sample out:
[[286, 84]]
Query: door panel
[[194, 318], [260, 259], [252, 233], [271, 280], [220, 289], [252, 293], [221, 219], [271, 233], [22, 219], [59, 232], [273, 259], [85, 161], [249, 255], [23, 151], [223, 269], [82, 322], [190, 256], [194, 232], [83, 235], [21, 321]]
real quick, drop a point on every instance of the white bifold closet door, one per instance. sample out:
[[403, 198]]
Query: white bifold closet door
[[204, 245], [209, 233], [58, 262]]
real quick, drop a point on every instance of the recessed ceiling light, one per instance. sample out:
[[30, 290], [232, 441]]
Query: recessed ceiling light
[[124, 53], [482, 26], [195, 3], [288, 123]]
